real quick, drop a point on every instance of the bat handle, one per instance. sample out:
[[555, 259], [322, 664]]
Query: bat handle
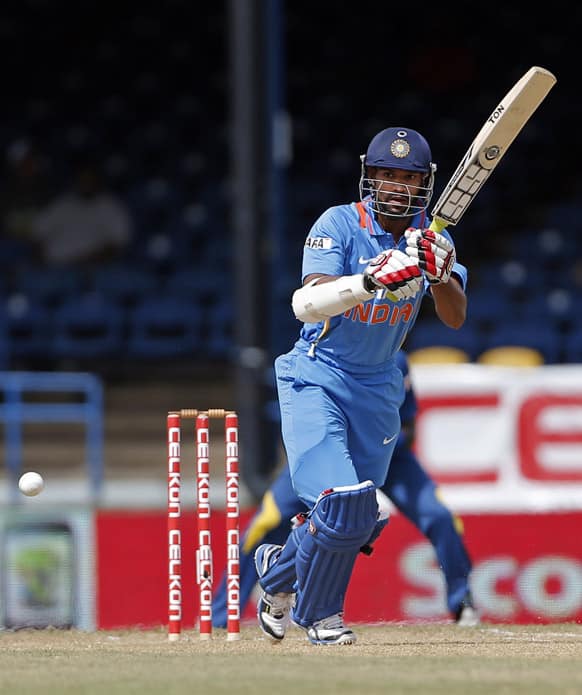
[[438, 224]]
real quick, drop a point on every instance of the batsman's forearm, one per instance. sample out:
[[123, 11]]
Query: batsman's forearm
[[330, 297], [450, 303]]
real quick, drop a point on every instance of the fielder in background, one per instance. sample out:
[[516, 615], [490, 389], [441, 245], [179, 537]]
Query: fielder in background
[[409, 488], [366, 267]]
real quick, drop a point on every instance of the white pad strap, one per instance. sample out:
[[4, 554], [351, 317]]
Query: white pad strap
[[312, 303]]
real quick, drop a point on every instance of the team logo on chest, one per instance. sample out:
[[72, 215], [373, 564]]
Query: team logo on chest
[[381, 312]]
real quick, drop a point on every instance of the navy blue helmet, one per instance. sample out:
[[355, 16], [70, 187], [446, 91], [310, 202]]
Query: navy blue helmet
[[398, 148]]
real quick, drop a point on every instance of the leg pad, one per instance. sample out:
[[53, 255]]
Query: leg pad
[[341, 522]]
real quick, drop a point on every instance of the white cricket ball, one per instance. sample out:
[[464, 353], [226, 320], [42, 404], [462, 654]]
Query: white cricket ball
[[31, 484]]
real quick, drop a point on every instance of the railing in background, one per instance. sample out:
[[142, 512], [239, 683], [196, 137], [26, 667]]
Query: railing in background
[[15, 412]]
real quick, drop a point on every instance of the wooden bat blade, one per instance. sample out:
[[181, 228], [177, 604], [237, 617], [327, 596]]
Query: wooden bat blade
[[491, 144]]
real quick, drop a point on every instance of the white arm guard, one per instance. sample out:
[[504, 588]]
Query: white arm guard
[[312, 303]]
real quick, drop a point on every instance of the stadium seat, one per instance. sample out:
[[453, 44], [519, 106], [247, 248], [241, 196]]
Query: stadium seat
[[220, 339], [533, 334], [433, 333], [49, 285], [164, 326], [549, 249], [511, 356], [195, 285], [5, 348], [573, 347], [438, 355], [88, 327], [123, 284], [556, 306], [28, 326], [486, 306], [513, 278]]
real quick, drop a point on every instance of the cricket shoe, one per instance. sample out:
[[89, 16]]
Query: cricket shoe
[[330, 630], [466, 614], [273, 610]]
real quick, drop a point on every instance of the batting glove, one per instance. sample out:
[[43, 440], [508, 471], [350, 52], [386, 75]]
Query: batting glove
[[433, 252], [396, 272]]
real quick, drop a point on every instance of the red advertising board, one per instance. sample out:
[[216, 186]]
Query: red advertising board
[[527, 569], [132, 557]]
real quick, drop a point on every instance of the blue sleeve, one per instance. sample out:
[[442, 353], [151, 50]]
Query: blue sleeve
[[325, 247], [460, 273]]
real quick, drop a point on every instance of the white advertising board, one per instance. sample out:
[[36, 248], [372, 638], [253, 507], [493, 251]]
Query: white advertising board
[[501, 438]]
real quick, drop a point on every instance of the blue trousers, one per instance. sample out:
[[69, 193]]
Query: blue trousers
[[337, 430]]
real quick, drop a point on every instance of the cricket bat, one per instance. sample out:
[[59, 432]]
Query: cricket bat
[[491, 143]]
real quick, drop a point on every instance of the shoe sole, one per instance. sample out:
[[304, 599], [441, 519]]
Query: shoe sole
[[469, 617], [474, 622], [347, 638], [341, 641]]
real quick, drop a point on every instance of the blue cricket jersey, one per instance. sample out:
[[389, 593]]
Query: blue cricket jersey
[[409, 407], [340, 388], [365, 338]]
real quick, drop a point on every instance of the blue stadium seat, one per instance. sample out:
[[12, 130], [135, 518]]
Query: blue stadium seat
[[220, 340], [486, 306], [536, 334], [556, 306], [573, 346], [512, 277], [193, 284], [49, 285], [29, 328], [547, 247], [164, 326], [88, 327], [123, 283], [433, 333], [5, 347]]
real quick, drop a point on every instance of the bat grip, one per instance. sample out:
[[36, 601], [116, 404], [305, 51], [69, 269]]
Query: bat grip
[[438, 224]]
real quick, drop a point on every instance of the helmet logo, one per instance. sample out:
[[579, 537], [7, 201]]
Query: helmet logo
[[400, 148]]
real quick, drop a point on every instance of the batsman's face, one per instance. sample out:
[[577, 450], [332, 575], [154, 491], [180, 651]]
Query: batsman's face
[[396, 189]]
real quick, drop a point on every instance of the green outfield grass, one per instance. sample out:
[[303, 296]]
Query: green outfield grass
[[387, 659]]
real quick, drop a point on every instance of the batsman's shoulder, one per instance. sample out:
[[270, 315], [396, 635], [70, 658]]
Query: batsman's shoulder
[[335, 220], [329, 215], [341, 211]]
